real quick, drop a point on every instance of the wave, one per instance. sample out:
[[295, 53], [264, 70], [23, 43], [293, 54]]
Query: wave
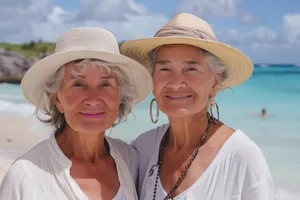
[[13, 98], [18, 108]]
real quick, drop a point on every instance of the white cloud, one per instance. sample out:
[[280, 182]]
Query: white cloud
[[136, 21], [230, 35], [258, 37], [42, 19], [16, 17], [262, 45], [291, 27], [210, 8], [248, 18], [59, 15], [136, 26]]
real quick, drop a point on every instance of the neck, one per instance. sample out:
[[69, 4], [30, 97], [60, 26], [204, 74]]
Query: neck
[[82, 146], [187, 131]]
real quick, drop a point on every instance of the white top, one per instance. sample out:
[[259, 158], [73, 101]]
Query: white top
[[44, 173], [238, 172]]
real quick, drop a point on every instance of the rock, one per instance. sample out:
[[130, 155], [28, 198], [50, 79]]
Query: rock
[[13, 65]]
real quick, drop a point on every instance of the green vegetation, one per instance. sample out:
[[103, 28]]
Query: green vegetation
[[30, 49], [33, 48]]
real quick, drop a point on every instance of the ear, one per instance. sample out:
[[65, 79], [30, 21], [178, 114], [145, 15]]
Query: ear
[[57, 102], [217, 80]]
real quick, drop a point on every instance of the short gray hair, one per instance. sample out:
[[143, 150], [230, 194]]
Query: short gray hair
[[215, 63], [128, 92]]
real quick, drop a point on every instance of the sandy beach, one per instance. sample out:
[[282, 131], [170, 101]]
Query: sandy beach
[[15, 139]]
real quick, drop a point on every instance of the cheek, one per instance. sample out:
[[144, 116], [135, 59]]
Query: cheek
[[158, 84], [112, 100], [201, 88], [69, 100]]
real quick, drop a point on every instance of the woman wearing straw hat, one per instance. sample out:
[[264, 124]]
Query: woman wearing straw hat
[[195, 156], [84, 88]]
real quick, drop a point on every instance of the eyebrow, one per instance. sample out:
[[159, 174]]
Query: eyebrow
[[84, 77], [191, 62], [163, 62]]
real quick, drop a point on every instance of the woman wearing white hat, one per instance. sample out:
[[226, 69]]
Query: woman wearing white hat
[[195, 156], [84, 88]]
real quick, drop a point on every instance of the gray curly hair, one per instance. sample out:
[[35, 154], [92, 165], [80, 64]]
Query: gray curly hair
[[128, 93]]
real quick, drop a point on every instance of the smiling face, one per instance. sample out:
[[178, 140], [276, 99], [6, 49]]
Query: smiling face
[[89, 97], [183, 81]]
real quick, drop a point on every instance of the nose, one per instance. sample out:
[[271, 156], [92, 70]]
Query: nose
[[92, 99], [177, 81], [92, 102]]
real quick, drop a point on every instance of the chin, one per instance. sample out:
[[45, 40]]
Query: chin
[[92, 128], [177, 113]]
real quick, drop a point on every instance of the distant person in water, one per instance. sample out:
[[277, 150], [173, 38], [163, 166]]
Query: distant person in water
[[263, 112]]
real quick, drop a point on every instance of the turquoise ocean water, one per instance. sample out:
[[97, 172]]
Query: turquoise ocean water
[[275, 88]]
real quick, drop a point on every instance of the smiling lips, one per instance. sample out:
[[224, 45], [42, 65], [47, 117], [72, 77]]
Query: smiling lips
[[178, 96], [92, 114]]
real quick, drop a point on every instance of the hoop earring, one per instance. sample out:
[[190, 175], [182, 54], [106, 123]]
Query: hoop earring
[[212, 104], [157, 112]]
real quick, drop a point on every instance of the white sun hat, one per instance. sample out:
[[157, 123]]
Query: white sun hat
[[83, 43], [189, 29]]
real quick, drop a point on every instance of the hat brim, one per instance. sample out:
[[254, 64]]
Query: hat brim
[[239, 66], [34, 81]]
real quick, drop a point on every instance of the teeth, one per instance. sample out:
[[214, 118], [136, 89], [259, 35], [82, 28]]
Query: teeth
[[178, 97]]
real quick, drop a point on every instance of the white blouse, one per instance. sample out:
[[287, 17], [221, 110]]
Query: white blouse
[[44, 173], [238, 172]]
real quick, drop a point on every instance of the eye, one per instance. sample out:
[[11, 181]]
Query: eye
[[163, 69], [192, 69], [105, 84], [77, 84]]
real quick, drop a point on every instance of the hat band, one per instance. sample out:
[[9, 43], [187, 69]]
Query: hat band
[[175, 30]]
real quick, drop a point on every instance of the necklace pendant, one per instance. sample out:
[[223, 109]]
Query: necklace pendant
[[151, 172]]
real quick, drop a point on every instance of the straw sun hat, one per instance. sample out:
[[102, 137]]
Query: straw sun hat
[[189, 29], [81, 43]]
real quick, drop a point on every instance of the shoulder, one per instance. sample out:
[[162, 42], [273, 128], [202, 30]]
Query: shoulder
[[16, 172], [246, 150], [248, 154], [35, 158], [127, 152], [122, 147], [149, 139], [30, 163], [16, 183], [35, 151], [258, 181]]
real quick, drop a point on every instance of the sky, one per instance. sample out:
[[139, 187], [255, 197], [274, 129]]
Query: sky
[[267, 31]]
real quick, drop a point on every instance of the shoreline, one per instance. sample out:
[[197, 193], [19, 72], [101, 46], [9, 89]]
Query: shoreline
[[11, 80]]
